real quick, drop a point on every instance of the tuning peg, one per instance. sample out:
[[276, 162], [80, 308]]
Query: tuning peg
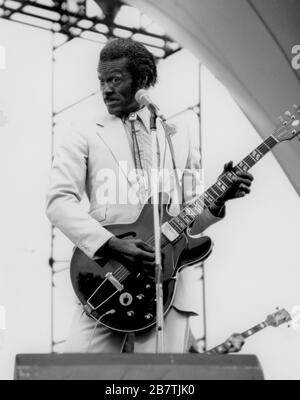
[[288, 113], [281, 119], [297, 107]]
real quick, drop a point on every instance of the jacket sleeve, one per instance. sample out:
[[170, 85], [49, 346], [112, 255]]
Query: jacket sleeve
[[66, 188], [193, 186]]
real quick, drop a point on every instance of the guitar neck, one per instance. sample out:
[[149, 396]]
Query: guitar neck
[[224, 347], [189, 213]]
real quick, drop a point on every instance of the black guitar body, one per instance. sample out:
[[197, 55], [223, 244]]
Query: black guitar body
[[125, 301]]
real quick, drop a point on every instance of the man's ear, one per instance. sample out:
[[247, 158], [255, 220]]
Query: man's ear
[[142, 83]]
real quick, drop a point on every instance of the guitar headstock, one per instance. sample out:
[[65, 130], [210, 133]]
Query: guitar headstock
[[289, 127], [278, 318]]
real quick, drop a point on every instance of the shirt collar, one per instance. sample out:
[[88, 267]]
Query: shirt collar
[[143, 114]]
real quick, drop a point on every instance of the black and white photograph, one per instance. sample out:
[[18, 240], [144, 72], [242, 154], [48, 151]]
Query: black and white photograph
[[150, 181]]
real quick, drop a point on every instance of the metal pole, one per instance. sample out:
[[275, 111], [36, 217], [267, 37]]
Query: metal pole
[[51, 260], [202, 264], [157, 241]]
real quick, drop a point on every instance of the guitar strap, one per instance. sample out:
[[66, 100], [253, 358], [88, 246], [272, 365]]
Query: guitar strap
[[169, 130]]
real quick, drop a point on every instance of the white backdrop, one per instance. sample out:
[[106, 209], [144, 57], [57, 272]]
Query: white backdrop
[[254, 266], [25, 157], [255, 263]]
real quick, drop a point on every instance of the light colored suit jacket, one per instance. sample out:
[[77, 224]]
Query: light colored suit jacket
[[83, 158]]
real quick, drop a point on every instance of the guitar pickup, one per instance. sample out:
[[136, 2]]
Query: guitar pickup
[[114, 281], [170, 233]]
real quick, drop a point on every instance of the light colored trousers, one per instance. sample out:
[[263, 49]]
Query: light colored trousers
[[86, 336]]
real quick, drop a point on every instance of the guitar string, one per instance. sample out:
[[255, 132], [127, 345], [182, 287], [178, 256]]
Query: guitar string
[[121, 273], [202, 197], [150, 240]]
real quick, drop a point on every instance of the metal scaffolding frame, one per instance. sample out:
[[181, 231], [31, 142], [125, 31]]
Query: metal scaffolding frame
[[74, 24], [72, 19]]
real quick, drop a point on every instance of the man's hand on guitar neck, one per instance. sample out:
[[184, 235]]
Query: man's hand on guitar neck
[[241, 184], [240, 188], [234, 343], [133, 253]]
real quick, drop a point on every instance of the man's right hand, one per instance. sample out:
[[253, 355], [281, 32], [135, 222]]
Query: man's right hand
[[133, 253]]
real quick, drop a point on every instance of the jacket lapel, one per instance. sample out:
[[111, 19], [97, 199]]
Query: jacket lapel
[[112, 133]]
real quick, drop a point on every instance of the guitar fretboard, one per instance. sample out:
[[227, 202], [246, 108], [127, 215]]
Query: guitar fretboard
[[184, 219], [224, 347], [189, 213]]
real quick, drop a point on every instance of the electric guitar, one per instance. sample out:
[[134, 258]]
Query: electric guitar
[[123, 300], [278, 318]]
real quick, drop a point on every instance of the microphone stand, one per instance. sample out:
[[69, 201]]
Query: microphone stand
[[157, 236]]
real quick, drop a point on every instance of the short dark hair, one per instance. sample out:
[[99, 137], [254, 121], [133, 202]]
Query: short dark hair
[[142, 64]]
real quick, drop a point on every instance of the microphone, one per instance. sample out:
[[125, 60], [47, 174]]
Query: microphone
[[143, 99]]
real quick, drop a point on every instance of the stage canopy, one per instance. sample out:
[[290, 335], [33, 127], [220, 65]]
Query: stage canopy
[[247, 44]]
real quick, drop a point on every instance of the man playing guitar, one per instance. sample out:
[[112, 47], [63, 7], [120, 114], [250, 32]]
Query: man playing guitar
[[81, 158]]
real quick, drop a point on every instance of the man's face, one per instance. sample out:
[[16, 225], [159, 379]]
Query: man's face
[[117, 87]]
